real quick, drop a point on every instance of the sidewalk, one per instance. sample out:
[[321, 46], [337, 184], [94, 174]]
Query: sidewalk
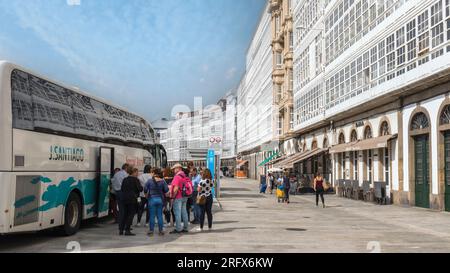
[[256, 223]]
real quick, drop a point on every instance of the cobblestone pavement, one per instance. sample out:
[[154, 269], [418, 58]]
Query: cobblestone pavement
[[252, 222]]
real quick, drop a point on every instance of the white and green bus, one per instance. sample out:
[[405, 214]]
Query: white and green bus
[[58, 150]]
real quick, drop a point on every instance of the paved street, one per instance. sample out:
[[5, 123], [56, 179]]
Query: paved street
[[249, 222]]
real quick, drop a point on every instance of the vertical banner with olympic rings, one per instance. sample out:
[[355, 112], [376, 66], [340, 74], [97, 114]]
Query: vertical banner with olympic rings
[[211, 161]]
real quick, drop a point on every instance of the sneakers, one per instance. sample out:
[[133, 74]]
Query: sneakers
[[185, 231], [150, 234], [128, 233], [138, 225], [161, 233], [175, 232], [199, 229], [146, 225]]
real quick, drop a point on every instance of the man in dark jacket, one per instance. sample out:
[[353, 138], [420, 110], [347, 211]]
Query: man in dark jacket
[[131, 188], [287, 187]]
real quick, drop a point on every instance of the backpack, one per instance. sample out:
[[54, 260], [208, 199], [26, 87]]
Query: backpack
[[186, 190]]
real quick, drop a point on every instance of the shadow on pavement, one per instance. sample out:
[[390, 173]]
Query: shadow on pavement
[[234, 189], [296, 229], [214, 230], [235, 195], [225, 222], [221, 230], [25, 240]]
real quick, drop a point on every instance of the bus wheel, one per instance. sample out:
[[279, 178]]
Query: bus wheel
[[72, 215]]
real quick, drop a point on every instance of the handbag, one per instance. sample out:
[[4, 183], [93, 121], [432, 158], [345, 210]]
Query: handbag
[[201, 200], [326, 186]]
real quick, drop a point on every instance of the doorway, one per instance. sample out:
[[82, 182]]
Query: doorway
[[421, 155], [447, 170]]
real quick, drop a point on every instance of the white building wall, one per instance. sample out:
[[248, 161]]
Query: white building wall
[[432, 106], [345, 89], [406, 115], [255, 98], [189, 132], [394, 163], [230, 128]]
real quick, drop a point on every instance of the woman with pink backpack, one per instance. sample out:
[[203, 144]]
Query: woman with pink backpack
[[181, 191]]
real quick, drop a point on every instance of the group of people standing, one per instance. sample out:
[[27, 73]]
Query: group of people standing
[[172, 192], [283, 184]]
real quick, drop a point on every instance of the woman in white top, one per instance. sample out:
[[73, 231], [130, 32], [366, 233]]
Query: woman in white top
[[143, 204], [205, 191]]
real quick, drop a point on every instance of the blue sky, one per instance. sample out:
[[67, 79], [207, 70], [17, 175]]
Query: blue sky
[[145, 55]]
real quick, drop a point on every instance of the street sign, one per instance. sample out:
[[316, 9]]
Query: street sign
[[215, 140]]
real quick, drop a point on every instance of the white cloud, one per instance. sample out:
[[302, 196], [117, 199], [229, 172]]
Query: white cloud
[[231, 73], [2, 49], [73, 2], [202, 80], [65, 40]]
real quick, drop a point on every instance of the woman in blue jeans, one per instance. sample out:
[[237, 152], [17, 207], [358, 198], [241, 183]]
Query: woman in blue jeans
[[205, 192], [155, 189]]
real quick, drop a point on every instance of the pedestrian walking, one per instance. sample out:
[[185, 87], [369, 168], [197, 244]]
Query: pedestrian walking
[[168, 201], [287, 187], [190, 202], [131, 189], [116, 182], [113, 200], [156, 190], [319, 188], [181, 190], [279, 180], [272, 184], [196, 178], [263, 184], [280, 190], [143, 202], [205, 199]]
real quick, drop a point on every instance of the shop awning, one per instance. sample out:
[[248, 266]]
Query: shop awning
[[314, 153], [286, 163], [366, 144], [341, 148], [305, 156], [281, 163], [241, 163], [373, 143], [267, 160], [273, 161]]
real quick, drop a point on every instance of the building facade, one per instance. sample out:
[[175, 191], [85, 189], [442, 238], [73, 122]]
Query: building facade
[[282, 74], [255, 101], [190, 134], [229, 150], [371, 95], [160, 125]]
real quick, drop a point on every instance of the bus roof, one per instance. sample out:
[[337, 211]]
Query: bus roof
[[6, 64]]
